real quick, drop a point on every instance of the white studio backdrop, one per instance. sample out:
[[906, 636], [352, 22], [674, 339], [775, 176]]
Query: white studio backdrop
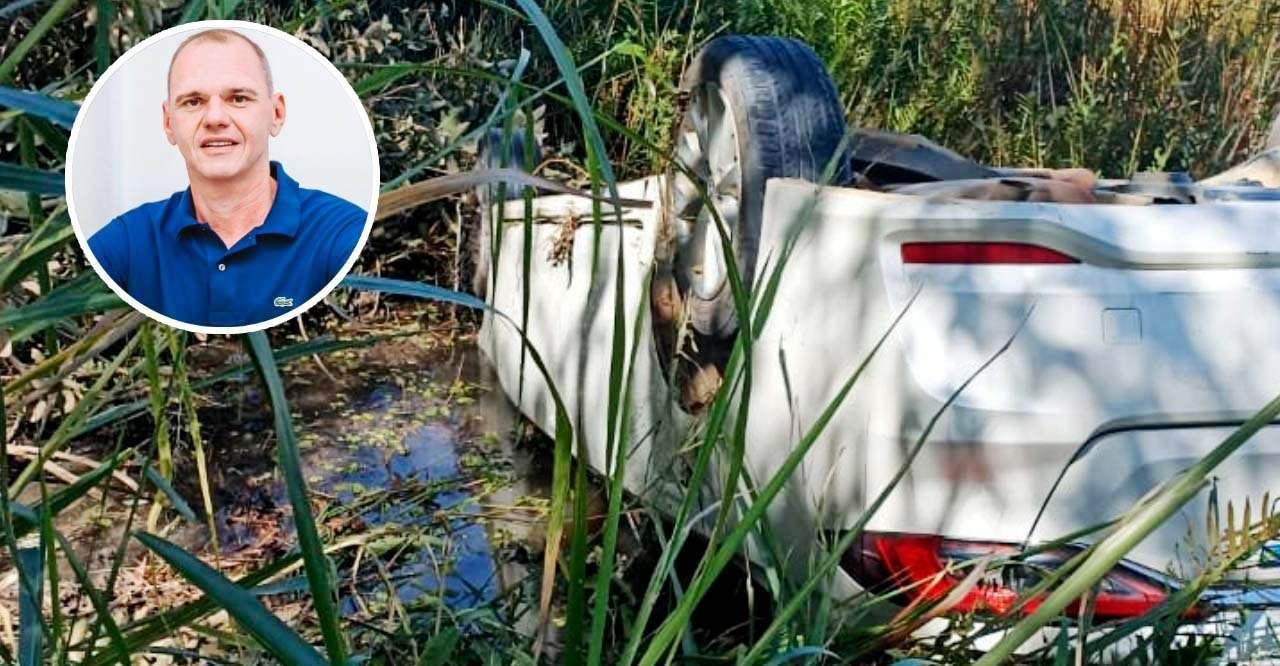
[[121, 158]]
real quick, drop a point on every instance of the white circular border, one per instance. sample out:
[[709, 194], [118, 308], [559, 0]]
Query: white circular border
[[371, 207]]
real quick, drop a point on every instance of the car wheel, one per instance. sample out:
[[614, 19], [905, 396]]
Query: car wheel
[[497, 150], [758, 108]]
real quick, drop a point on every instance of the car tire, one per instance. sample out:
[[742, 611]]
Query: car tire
[[496, 151], [786, 121]]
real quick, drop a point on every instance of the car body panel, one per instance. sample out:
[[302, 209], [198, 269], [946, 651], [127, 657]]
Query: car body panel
[[1119, 370], [570, 320]]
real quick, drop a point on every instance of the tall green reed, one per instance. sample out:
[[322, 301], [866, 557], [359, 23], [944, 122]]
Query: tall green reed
[[910, 87]]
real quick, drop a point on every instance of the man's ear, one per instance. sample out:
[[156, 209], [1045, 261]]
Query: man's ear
[[277, 113], [168, 129]]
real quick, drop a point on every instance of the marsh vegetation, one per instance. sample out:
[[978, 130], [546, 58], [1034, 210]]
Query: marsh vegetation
[[353, 488]]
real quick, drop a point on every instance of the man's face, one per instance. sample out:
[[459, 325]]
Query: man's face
[[219, 112]]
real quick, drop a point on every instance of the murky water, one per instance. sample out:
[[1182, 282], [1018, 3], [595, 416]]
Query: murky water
[[415, 463], [429, 457]]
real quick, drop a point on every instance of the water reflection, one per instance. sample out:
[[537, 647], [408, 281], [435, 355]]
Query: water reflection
[[460, 570]]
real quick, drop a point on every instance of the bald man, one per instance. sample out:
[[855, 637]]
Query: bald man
[[244, 243]]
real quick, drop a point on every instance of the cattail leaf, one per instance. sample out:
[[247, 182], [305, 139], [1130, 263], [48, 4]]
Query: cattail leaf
[[40, 313], [415, 289], [242, 605], [102, 35], [143, 632], [806, 654], [15, 7], [290, 460], [194, 11], [408, 197], [23, 179], [179, 504], [441, 648], [59, 112], [30, 621], [33, 37]]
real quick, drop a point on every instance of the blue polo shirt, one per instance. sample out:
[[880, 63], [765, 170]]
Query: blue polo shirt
[[176, 265]]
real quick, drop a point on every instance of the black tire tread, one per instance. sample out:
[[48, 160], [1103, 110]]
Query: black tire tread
[[790, 123]]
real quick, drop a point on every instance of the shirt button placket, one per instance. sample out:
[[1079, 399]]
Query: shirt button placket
[[223, 295]]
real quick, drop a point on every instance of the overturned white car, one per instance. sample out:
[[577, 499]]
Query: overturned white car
[[1105, 333]]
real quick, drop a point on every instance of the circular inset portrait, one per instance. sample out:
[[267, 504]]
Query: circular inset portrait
[[222, 176]]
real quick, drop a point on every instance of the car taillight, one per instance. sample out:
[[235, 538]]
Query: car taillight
[[928, 567], [994, 252]]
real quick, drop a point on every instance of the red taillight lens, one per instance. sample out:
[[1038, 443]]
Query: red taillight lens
[[945, 252], [931, 567]]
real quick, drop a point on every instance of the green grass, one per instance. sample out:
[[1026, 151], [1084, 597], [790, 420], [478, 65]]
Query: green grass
[[1106, 85], [1116, 86]]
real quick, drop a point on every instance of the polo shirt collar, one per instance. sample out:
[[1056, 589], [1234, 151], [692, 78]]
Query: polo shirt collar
[[282, 220]]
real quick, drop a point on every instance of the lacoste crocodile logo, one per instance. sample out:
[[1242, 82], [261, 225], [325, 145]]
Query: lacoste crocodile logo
[[283, 302]]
